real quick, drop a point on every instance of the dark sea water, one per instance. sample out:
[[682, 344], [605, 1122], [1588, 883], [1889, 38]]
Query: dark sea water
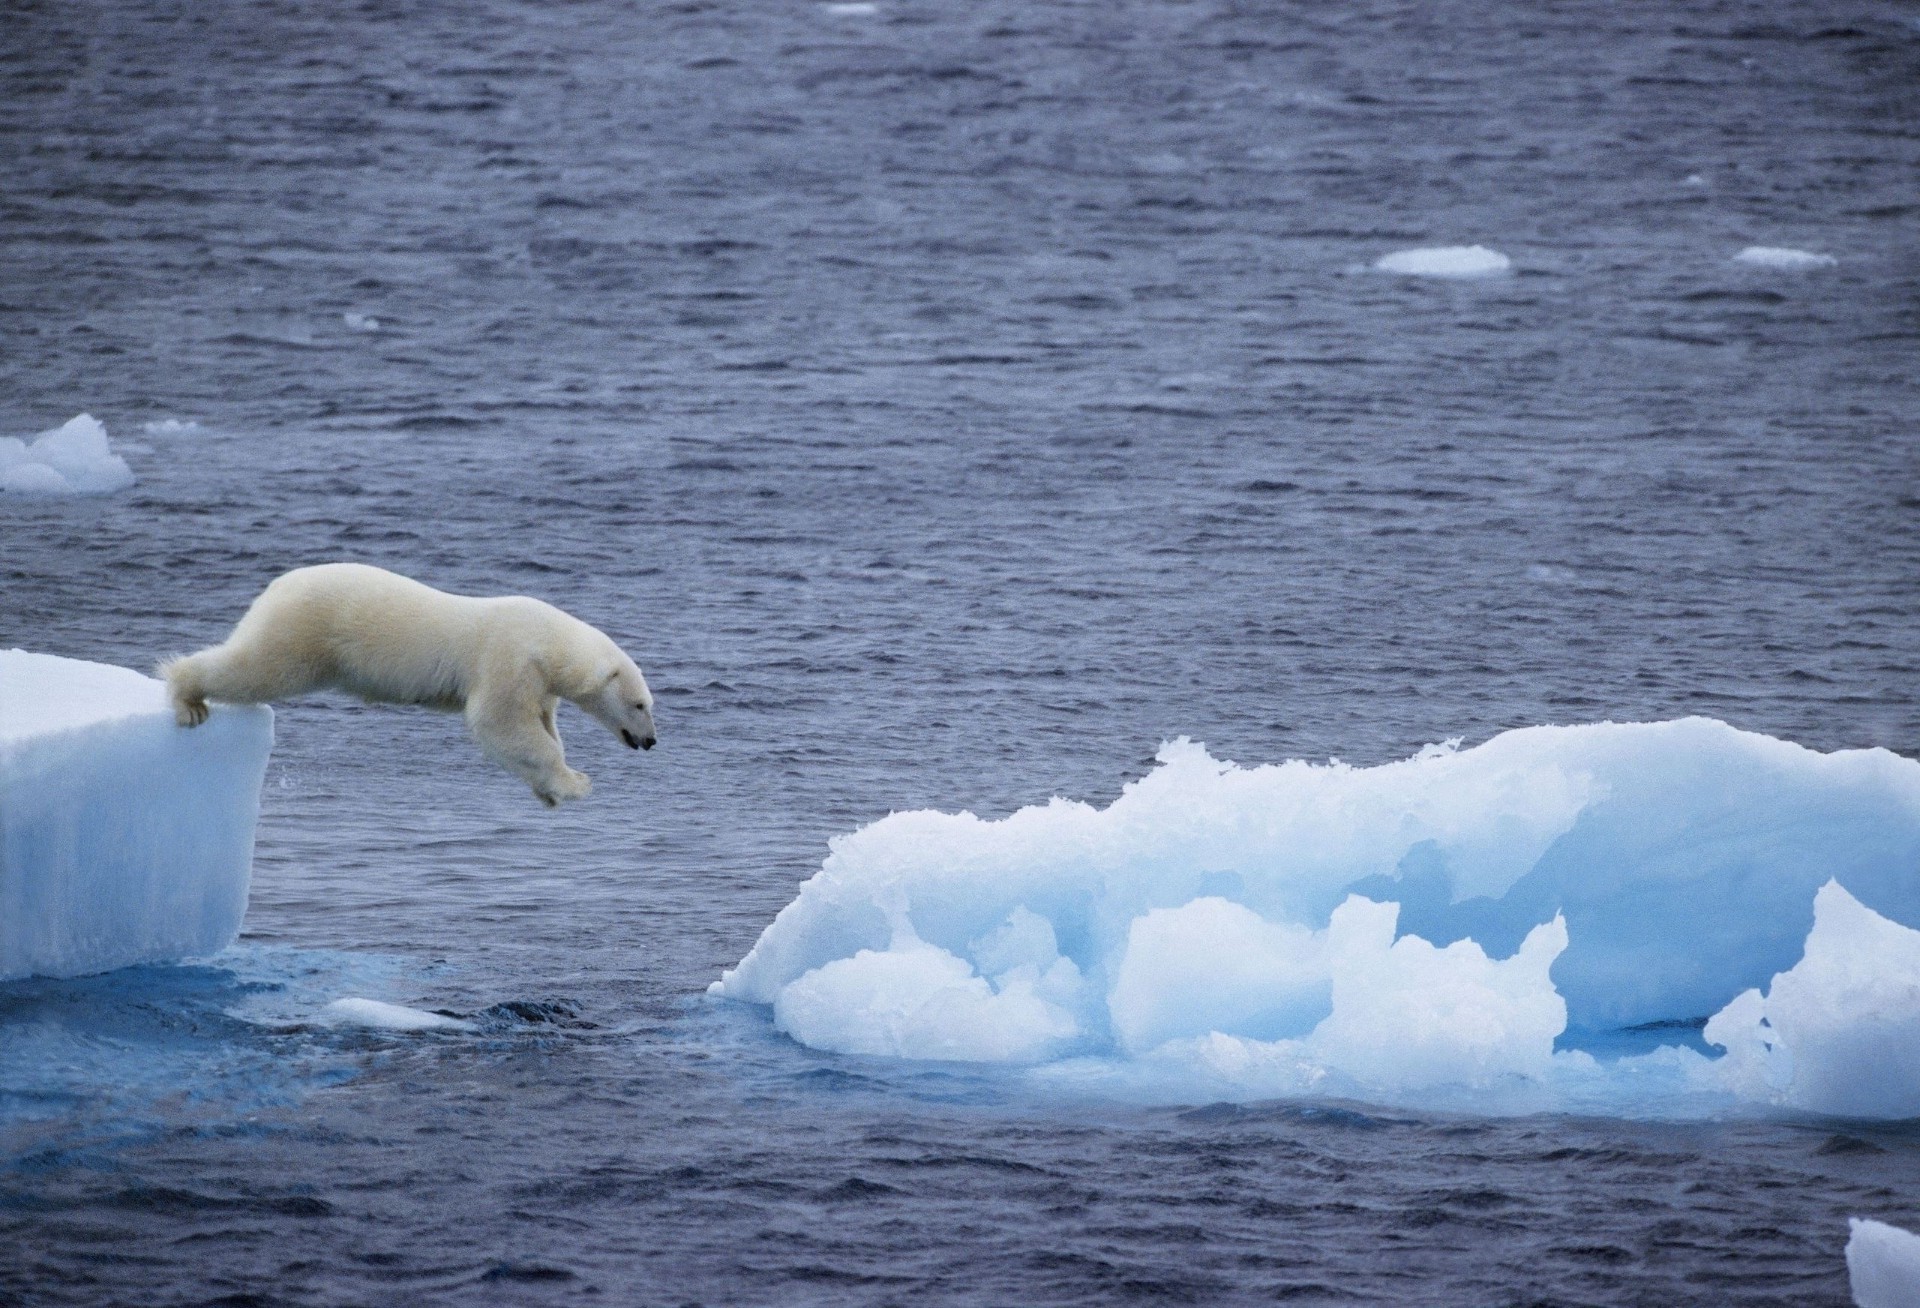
[[946, 404]]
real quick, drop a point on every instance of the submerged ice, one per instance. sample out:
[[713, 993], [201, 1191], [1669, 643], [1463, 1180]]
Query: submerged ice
[[123, 838], [1463, 918]]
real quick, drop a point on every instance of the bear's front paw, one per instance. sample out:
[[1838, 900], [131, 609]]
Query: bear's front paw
[[190, 713], [568, 785]]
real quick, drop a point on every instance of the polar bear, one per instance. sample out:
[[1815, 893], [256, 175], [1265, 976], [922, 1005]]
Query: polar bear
[[505, 662]]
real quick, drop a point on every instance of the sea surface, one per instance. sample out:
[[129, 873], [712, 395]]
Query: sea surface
[[946, 403]]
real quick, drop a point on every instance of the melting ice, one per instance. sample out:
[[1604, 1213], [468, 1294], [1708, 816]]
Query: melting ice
[[1545, 919]]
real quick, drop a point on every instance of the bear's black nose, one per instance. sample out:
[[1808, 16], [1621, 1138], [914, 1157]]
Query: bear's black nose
[[647, 743]]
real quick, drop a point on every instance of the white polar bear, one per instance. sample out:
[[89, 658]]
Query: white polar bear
[[505, 661]]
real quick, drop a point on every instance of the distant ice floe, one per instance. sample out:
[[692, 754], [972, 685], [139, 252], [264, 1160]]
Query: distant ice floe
[[1883, 1264], [852, 8], [170, 427], [382, 1016], [361, 322], [1775, 256], [72, 459], [1446, 261], [1542, 921]]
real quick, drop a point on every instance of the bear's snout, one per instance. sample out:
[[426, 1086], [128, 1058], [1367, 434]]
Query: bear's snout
[[633, 741], [647, 743]]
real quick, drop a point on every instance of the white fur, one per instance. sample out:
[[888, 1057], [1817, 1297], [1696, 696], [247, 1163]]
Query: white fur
[[505, 662]]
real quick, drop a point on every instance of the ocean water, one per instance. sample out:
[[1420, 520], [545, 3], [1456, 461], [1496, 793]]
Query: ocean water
[[946, 404]]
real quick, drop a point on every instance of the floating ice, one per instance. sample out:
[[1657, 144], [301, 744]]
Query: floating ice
[[852, 8], [361, 322], [383, 1016], [169, 426], [1883, 1264], [73, 459], [1445, 921], [1773, 256], [124, 838], [1446, 261]]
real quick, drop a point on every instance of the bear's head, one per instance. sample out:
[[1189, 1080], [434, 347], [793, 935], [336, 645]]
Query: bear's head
[[622, 702]]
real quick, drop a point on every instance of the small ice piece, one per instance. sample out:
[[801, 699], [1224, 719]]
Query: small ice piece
[[124, 837], [383, 1016], [852, 8], [1839, 1032], [1883, 1264], [169, 427], [1776, 256], [72, 459], [1446, 261], [361, 322]]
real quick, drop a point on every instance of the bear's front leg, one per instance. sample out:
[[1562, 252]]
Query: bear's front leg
[[510, 725]]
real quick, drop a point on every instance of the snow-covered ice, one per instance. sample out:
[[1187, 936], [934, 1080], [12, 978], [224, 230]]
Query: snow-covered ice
[[72, 459], [382, 1016], [1446, 261], [124, 838], [1774, 256], [1464, 918], [1883, 1264]]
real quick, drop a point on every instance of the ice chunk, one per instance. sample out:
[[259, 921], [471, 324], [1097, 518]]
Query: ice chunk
[[1446, 261], [916, 1000], [124, 838], [1564, 882], [1214, 965], [1408, 1014], [1883, 1264], [1774, 256], [383, 1016], [73, 459], [1840, 1031]]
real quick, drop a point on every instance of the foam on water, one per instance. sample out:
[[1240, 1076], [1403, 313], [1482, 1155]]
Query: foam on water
[[1773, 256], [1446, 261], [72, 459], [1466, 918], [1883, 1264]]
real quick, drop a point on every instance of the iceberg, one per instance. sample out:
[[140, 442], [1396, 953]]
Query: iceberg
[[1883, 1264], [72, 459], [124, 838], [1521, 913]]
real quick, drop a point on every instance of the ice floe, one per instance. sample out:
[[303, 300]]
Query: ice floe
[[72, 459], [1513, 915], [1446, 261], [1774, 256], [124, 838]]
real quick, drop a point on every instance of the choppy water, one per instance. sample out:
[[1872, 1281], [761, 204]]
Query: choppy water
[[946, 404]]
